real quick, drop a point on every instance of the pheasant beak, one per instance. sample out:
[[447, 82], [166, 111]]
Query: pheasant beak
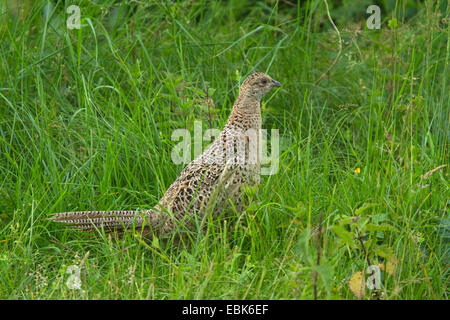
[[276, 83]]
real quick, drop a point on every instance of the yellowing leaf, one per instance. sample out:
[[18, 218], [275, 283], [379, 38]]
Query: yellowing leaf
[[357, 284], [391, 267], [296, 221], [429, 173]]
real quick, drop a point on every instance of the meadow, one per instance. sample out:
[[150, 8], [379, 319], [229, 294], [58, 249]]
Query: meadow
[[87, 115]]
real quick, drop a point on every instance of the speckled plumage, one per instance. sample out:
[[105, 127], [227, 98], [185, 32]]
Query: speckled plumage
[[205, 184]]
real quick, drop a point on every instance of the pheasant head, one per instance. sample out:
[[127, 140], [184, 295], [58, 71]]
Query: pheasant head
[[257, 85]]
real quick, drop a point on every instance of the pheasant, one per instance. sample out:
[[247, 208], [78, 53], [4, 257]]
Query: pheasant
[[229, 163]]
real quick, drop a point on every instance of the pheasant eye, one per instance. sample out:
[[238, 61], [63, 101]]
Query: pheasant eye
[[264, 81]]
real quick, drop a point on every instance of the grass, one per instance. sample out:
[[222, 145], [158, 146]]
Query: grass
[[86, 118]]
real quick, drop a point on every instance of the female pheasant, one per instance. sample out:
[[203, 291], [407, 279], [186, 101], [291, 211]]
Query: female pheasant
[[230, 162]]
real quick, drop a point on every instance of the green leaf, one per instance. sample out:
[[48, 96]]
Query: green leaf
[[211, 91], [301, 209], [345, 235], [155, 242], [252, 207], [364, 207], [381, 227], [251, 191], [325, 273], [380, 217], [393, 23], [385, 252], [348, 220]]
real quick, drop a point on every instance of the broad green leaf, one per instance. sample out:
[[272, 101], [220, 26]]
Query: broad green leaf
[[380, 227], [385, 252], [343, 234]]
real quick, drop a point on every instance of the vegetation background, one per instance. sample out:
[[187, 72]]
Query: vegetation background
[[86, 117]]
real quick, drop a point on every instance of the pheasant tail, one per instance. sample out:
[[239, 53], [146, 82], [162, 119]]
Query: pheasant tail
[[109, 220]]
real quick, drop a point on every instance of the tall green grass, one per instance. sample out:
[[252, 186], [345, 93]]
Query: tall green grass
[[86, 118]]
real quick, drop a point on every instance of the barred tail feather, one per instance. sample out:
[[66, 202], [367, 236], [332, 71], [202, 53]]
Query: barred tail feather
[[90, 220]]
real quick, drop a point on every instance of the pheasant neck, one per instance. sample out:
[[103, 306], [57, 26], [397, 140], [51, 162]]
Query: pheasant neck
[[246, 113]]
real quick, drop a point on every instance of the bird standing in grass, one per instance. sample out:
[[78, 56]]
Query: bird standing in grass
[[229, 163]]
